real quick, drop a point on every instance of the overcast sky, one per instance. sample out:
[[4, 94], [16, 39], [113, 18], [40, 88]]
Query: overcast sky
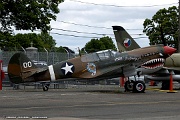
[[75, 15]]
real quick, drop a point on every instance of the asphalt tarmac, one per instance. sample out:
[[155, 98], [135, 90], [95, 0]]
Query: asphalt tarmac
[[92, 102]]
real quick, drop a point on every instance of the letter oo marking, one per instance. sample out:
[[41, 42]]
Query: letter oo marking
[[27, 64]]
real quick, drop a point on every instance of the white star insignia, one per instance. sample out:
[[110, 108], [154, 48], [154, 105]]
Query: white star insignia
[[67, 68]]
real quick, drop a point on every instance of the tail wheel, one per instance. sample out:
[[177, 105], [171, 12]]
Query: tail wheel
[[139, 86], [45, 88], [129, 86]]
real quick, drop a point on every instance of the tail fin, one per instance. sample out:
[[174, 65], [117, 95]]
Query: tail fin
[[124, 41], [20, 67]]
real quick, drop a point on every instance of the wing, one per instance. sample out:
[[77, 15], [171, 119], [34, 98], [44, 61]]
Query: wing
[[129, 70]]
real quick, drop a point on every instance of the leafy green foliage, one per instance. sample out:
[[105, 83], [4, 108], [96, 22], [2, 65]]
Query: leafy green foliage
[[108, 43], [7, 41], [40, 41], [99, 44], [59, 49], [28, 14], [48, 41], [163, 27]]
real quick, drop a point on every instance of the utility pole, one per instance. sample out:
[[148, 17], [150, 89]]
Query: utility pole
[[179, 31]]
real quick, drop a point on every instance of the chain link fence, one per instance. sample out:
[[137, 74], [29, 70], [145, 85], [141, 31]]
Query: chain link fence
[[39, 57]]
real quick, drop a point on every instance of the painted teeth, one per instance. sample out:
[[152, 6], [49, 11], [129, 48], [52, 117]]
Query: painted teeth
[[153, 64], [154, 61]]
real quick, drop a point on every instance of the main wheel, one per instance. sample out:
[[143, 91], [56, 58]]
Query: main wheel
[[139, 86], [128, 86]]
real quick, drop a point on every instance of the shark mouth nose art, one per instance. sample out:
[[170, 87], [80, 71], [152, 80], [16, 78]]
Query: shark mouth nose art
[[154, 63]]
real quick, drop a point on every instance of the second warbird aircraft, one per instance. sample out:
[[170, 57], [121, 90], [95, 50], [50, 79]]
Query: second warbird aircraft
[[93, 66]]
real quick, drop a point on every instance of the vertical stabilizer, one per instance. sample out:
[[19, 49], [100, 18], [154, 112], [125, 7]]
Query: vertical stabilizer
[[124, 41], [20, 67]]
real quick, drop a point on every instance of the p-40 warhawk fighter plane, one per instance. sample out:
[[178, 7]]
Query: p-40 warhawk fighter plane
[[93, 66]]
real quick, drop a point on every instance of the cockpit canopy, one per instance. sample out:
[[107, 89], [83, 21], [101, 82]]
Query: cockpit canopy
[[97, 56]]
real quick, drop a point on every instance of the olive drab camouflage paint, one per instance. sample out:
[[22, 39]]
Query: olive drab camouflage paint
[[98, 65]]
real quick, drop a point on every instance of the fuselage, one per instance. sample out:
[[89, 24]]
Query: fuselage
[[101, 64]]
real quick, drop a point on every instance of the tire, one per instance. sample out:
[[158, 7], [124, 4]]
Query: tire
[[139, 87], [128, 86], [45, 88]]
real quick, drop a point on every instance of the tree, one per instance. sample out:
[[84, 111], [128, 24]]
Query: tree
[[14, 42], [59, 49], [25, 40], [163, 27], [99, 44], [7, 41], [48, 41], [108, 43], [27, 14]]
